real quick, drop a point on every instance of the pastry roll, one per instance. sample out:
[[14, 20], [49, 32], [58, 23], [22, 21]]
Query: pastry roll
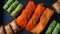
[[8, 4], [17, 10], [57, 29], [8, 29], [35, 17], [2, 30], [56, 5], [59, 1], [51, 27], [14, 26], [12, 7], [44, 19], [26, 14]]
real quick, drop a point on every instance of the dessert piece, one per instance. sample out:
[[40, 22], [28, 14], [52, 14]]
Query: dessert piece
[[35, 17], [56, 5], [26, 14], [2, 30], [57, 29], [14, 26], [51, 27], [12, 7], [8, 29], [17, 10], [46, 16], [59, 1], [8, 4]]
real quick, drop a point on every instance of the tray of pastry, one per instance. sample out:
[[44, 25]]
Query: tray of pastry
[[29, 16]]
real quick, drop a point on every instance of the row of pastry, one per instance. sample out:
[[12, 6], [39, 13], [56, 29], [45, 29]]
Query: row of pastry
[[34, 18]]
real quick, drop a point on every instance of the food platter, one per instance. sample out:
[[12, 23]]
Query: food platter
[[5, 18]]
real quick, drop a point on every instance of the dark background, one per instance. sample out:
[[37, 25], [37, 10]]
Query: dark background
[[5, 18]]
